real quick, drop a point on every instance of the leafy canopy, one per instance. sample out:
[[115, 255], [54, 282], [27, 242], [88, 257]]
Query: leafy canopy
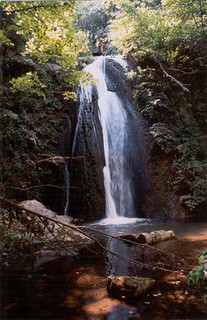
[[50, 32], [161, 28]]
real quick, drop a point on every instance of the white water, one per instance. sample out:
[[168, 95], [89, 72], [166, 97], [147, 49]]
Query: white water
[[112, 116], [119, 221]]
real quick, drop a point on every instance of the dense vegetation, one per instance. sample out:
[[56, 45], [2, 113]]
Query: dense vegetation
[[40, 44], [165, 43]]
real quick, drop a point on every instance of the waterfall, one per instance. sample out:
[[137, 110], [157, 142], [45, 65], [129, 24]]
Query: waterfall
[[113, 120], [67, 184], [106, 169]]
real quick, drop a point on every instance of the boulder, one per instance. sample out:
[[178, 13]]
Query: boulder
[[126, 287], [52, 67], [38, 207], [70, 236], [150, 238]]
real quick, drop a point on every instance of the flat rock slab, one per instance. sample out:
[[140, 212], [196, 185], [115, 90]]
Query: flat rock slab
[[125, 287], [150, 238], [69, 236]]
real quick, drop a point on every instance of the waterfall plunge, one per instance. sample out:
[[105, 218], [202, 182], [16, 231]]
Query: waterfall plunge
[[113, 119]]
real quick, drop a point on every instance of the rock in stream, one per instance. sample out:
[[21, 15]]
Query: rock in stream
[[126, 287]]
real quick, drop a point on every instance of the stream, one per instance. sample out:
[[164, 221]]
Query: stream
[[71, 288]]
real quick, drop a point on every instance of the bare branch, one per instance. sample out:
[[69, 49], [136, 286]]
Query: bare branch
[[169, 76], [184, 72], [40, 186]]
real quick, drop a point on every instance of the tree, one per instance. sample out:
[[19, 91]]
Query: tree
[[165, 29], [49, 31], [93, 19]]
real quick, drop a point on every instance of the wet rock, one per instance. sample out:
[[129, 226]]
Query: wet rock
[[150, 238], [88, 201], [25, 62], [128, 287], [44, 257], [52, 67]]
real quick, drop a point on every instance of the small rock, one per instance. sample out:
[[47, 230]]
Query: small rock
[[129, 287]]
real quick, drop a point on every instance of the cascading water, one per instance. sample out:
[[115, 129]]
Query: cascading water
[[67, 184], [113, 119], [107, 172]]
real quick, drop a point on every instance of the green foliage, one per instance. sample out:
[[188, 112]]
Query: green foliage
[[197, 277], [165, 29], [190, 169], [70, 95], [153, 108], [31, 125], [28, 83], [38, 88], [202, 257], [110, 50], [178, 133], [50, 33], [93, 18], [4, 40], [198, 194], [164, 137], [15, 243]]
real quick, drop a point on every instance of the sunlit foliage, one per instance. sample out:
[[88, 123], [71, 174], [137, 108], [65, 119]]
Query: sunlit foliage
[[162, 29], [49, 31]]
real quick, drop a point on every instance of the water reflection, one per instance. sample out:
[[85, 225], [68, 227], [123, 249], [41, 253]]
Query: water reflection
[[114, 265], [123, 312]]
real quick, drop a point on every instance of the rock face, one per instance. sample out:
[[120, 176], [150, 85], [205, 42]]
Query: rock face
[[150, 238], [86, 174], [128, 287]]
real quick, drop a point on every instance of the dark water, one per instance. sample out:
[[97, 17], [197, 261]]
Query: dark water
[[68, 288]]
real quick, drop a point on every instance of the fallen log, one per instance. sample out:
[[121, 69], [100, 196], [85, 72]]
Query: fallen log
[[150, 238]]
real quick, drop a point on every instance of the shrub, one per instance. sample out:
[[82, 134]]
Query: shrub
[[197, 277]]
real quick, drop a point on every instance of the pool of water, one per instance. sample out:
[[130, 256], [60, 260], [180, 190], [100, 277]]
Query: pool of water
[[76, 288], [183, 229]]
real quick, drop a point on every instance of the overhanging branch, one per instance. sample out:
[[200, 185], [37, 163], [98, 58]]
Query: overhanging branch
[[166, 74]]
